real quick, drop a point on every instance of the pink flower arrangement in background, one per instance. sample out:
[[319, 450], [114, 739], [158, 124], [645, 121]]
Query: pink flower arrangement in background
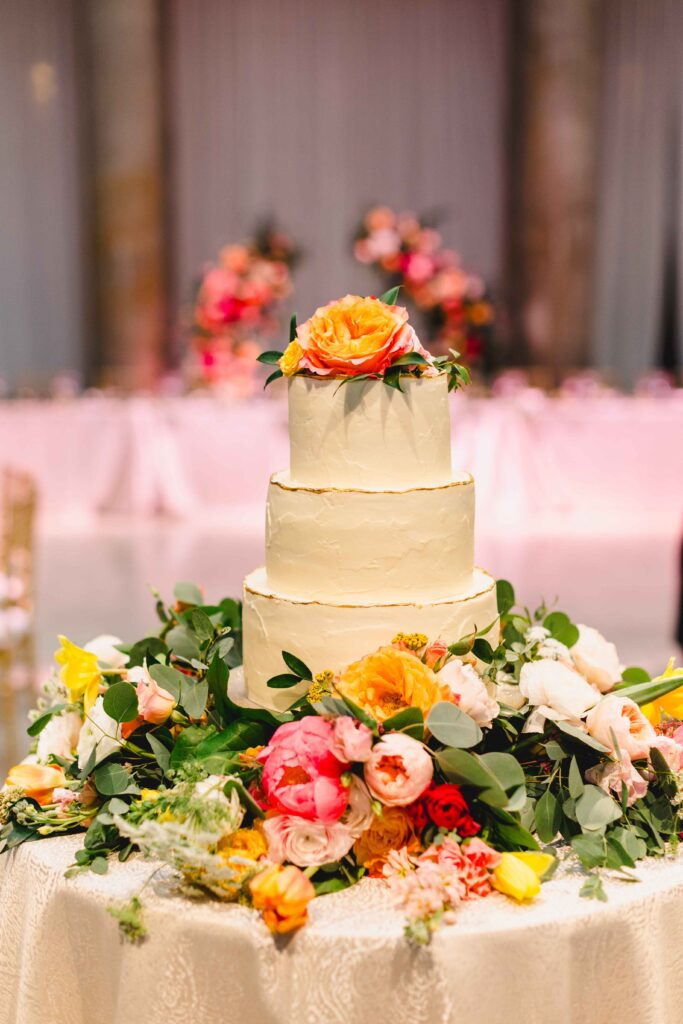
[[236, 308], [407, 251]]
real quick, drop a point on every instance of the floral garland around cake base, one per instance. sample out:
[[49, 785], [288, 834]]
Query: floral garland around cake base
[[444, 770]]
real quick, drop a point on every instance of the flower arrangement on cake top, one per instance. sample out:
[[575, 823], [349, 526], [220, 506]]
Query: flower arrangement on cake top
[[361, 338], [236, 307], [408, 251], [446, 770]]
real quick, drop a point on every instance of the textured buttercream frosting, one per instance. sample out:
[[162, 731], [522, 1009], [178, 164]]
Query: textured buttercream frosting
[[326, 635], [343, 544], [365, 434]]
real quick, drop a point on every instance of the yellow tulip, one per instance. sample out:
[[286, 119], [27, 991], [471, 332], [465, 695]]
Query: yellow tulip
[[518, 875], [671, 704], [80, 672]]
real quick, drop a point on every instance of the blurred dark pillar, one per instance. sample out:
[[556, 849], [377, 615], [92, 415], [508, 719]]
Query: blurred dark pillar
[[555, 58], [122, 85]]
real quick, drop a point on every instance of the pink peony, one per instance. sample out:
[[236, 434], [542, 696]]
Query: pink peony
[[352, 741], [620, 725], [610, 777], [301, 775], [305, 843], [398, 770]]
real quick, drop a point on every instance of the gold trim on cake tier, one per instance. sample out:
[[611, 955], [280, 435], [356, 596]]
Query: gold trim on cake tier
[[332, 635]]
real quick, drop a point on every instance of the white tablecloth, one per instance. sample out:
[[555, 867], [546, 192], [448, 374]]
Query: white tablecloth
[[594, 464], [562, 959]]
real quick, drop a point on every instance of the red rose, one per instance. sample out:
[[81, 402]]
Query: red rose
[[447, 808], [418, 816]]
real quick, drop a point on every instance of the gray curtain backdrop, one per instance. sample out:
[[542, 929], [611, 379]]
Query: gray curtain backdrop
[[313, 110], [40, 268], [640, 224]]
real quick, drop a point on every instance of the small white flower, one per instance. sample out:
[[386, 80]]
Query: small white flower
[[60, 736], [468, 686], [596, 659], [556, 690], [555, 649], [536, 634], [100, 733]]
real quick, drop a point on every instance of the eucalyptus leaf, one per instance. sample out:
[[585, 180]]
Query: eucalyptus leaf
[[595, 810], [168, 678], [111, 779], [505, 768], [188, 593], [182, 642], [547, 817], [193, 696], [452, 727], [578, 734], [635, 674], [409, 721], [121, 702], [575, 782]]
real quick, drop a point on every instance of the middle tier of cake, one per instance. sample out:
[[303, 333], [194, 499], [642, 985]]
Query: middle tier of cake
[[331, 544]]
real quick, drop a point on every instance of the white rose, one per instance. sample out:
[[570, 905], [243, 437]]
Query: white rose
[[305, 843], [507, 691], [99, 733], [358, 815], [104, 649], [60, 736], [469, 687], [556, 690], [596, 659]]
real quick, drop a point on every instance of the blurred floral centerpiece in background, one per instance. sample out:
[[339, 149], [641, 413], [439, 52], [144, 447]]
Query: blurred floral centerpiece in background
[[236, 309], [407, 251]]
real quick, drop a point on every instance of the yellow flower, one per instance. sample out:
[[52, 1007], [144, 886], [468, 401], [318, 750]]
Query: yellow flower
[[282, 894], [289, 363], [671, 705], [519, 874], [245, 842], [149, 794], [79, 673], [389, 680]]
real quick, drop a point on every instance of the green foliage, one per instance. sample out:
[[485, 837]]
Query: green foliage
[[452, 727], [297, 666], [390, 296], [188, 593], [505, 594], [39, 723], [409, 721], [130, 919], [561, 628], [121, 702]]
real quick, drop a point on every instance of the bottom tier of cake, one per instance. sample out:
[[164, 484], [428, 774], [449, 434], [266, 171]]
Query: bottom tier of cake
[[331, 636]]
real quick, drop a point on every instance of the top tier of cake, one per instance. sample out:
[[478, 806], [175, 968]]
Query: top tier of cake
[[367, 435]]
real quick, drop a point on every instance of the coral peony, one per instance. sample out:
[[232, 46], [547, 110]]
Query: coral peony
[[620, 725], [282, 894], [301, 775], [398, 770], [355, 335], [390, 680], [306, 843]]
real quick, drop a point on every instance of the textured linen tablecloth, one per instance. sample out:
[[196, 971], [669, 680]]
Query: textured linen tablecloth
[[562, 959]]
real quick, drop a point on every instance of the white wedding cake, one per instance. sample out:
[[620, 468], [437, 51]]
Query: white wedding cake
[[369, 533]]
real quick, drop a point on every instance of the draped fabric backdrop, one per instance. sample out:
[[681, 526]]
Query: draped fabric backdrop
[[313, 111], [40, 249], [640, 224]]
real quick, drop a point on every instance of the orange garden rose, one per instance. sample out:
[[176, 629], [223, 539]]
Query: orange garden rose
[[351, 336], [390, 680], [245, 842], [392, 830], [282, 894], [38, 781]]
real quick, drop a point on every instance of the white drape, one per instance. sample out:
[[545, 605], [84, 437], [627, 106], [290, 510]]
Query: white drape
[[639, 217], [40, 272], [314, 110]]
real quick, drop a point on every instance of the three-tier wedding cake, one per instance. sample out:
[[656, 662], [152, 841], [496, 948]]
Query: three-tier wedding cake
[[368, 533]]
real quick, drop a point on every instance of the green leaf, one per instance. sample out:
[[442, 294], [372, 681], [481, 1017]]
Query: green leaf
[[463, 646], [561, 628], [361, 715], [617, 857], [390, 296], [111, 779], [593, 889], [409, 359], [292, 327], [145, 650], [245, 796], [270, 358], [38, 724], [121, 702], [505, 768], [505, 594], [274, 376], [468, 770], [99, 865], [236, 736], [634, 674], [201, 624], [482, 649], [186, 743], [575, 782], [188, 593], [297, 666], [182, 642], [578, 734], [409, 721], [283, 682], [595, 810], [193, 696], [547, 817], [645, 693], [217, 681], [169, 679], [329, 885], [161, 753], [590, 849], [554, 751], [452, 727]]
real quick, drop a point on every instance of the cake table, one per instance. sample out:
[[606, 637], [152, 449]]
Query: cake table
[[561, 959]]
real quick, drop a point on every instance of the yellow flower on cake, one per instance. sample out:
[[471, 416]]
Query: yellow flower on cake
[[351, 336], [80, 672], [291, 358], [519, 875], [389, 680]]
